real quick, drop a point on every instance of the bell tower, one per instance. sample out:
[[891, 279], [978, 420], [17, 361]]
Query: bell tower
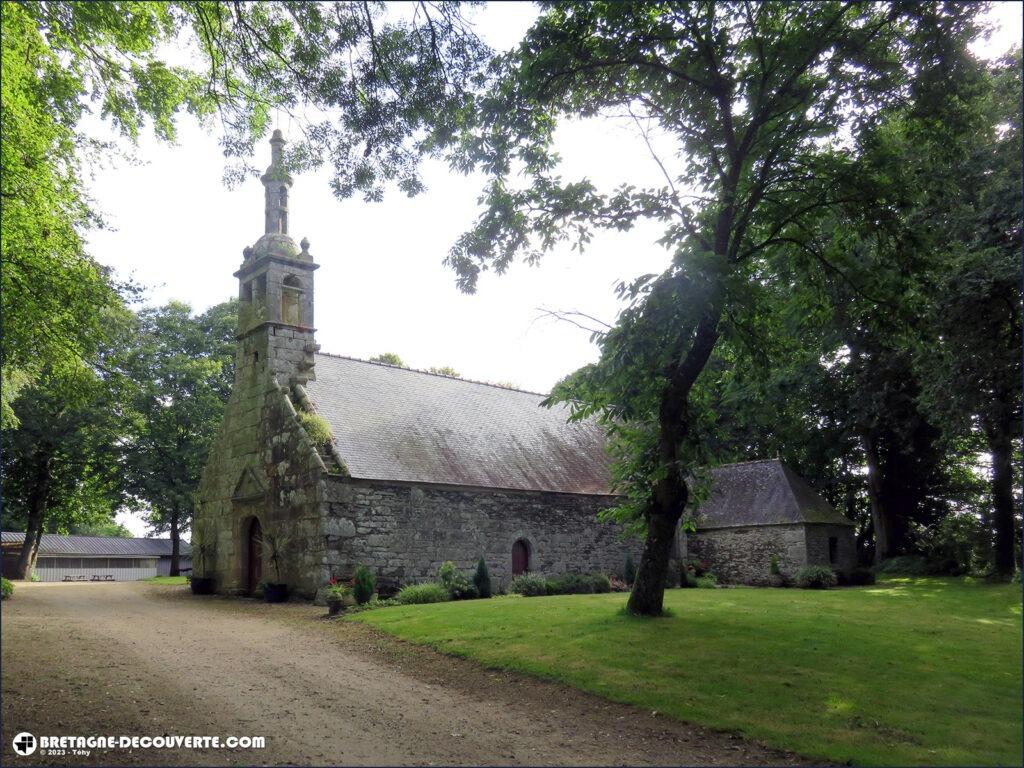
[[275, 289]]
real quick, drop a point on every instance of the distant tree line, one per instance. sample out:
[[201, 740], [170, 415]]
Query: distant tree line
[[131, 429]]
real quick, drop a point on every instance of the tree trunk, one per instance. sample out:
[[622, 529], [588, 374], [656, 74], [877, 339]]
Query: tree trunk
[[175, 542], [879, 518], [37, 503], [648, 595], [670, 494], [1000, 445]]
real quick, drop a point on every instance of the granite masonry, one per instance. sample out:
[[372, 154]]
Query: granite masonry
[[421, 468], [758, 509]]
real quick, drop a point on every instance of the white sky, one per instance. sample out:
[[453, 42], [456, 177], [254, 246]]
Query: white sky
[[382, 286]]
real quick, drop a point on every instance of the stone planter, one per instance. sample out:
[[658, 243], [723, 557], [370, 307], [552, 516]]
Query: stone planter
[[776, 580], [275, 593], [334, 607], [202, 585]]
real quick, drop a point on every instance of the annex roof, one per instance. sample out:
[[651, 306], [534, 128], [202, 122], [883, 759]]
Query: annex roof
[[400, 424], [104, 546], [763, 493]]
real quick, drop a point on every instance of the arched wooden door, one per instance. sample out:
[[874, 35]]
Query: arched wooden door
[[254, 560], [520, 558]]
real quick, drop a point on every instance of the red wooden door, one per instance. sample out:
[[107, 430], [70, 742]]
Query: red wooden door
[[255, 570], [520, 558]]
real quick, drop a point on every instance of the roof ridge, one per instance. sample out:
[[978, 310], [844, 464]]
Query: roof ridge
[[94, 536], [432, 373]]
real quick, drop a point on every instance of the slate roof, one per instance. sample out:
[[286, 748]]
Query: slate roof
[[399, 424], [105, 546], [763, 493]]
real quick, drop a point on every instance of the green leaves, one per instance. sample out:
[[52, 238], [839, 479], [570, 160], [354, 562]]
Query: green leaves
[[370, 89], [183, 366]]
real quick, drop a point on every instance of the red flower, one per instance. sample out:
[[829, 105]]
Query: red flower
[[333, 581]]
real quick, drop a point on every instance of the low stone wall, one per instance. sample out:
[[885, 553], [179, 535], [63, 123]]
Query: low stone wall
[[404, 532], [743, 555]]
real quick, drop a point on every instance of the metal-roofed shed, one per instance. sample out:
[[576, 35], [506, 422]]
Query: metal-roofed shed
[[87, 558]]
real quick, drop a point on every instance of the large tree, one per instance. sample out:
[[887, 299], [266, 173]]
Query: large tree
[[63, 464], [367, 85], [760, 100], [973, 367], [183, 365]]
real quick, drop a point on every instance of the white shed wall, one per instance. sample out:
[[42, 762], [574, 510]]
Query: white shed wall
[[147, 569]]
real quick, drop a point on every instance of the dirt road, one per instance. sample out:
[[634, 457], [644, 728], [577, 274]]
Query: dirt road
[[144, 660]]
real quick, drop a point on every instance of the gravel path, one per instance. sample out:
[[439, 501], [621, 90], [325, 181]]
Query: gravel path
[[144, 660]]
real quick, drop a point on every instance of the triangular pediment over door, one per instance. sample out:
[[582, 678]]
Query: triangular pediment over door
[[249, 486]]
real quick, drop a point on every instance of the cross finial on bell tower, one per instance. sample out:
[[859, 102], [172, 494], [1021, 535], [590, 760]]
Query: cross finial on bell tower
[[276, 183]]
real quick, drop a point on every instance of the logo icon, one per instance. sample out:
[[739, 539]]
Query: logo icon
[[25, 744]]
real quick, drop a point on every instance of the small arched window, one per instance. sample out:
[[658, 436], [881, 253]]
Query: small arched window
[[291, 294], [520, 557]]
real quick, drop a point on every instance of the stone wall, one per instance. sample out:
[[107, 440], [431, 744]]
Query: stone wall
[[262, 465], [743, 555], [846, 546], [404, 531]]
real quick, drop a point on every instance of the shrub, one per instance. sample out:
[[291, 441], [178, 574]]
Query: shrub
[[529, 585], [686, 578], [431, 592], [456, 582], [570, 584], [629, 571], [815, 577], [579, 584], [773, 566], [1015, 579], [6, 588], [363, 584], [602, 584], [482, 579], [707, 581], [316, 427], [861, 577]]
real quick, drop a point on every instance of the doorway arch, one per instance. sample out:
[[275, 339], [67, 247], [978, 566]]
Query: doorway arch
[[520, 557], [253, 555]]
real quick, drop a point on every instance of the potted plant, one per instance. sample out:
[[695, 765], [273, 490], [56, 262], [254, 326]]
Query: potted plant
[[774, 572], [339, 597], [273, 546], [203, 545]]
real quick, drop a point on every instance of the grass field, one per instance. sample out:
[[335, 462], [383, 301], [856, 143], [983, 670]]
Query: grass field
[[167, 580], [911, 671]]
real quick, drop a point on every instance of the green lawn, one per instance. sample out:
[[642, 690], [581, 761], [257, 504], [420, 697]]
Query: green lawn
[[167, 580], [911, 671]]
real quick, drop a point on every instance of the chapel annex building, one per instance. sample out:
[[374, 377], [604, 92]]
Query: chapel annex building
[[422, 468]]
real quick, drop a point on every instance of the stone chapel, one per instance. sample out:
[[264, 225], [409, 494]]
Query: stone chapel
[[422, 468]]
